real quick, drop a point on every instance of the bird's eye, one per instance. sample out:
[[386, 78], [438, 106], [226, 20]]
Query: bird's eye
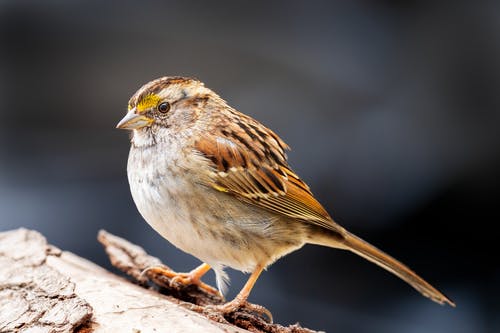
[[164, 107]]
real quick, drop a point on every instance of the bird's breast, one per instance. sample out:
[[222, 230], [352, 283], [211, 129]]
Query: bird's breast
[[213, 226]]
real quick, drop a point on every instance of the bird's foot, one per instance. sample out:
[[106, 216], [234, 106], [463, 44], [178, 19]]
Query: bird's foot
[[238, 305], [183, 279]]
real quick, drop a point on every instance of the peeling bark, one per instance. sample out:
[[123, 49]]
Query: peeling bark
[[34, 296], [44, 289]]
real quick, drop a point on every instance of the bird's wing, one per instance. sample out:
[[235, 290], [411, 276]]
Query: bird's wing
[[249, 161]]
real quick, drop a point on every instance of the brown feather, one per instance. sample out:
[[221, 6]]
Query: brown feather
[[371, 253], [251, 164]]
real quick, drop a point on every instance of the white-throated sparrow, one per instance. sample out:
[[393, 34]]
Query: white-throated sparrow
[[216, 184]]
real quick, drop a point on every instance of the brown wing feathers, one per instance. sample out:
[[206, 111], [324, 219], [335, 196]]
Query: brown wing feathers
[[250, 161]]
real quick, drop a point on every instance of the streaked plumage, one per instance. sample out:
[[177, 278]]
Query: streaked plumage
[[216, 183]]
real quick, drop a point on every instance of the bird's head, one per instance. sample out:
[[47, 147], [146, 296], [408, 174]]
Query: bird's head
[[164, 102]]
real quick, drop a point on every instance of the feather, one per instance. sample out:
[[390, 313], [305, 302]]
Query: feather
[[250, 163], [221, 278]]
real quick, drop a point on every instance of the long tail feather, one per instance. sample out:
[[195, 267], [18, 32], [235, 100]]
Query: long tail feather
[[343, 239], [371, 253]]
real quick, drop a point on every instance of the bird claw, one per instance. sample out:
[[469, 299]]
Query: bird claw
[[237, 305], [187, 279], [181, 279]]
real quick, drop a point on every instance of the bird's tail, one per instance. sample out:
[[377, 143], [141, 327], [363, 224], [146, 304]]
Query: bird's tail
[[360, 247]]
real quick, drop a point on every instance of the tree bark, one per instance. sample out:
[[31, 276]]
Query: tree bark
[[44, 289]]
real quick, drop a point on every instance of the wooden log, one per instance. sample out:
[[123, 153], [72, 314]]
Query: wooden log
[[44, 289]]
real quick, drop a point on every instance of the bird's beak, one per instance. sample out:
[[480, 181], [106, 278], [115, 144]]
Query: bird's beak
[[132, 120]]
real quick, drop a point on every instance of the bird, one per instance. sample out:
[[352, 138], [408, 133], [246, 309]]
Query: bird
[[216, 183]]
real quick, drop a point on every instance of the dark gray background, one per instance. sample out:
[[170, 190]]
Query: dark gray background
[[391, 110]]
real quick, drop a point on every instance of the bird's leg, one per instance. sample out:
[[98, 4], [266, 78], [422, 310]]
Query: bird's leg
[[193, 277], [240, 301]]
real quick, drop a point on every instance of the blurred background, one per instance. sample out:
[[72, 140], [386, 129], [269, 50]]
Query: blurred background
[[391, 109]]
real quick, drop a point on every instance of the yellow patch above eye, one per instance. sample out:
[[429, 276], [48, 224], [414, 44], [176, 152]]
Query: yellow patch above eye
[[148, 102]]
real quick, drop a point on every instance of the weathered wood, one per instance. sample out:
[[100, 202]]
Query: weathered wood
[[133, 260], [44, 289], [34, 296]]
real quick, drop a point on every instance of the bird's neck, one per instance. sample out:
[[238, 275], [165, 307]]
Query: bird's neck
[[142, 138]]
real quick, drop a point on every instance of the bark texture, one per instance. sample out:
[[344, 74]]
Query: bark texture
[[35, 297], [44, 289]]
